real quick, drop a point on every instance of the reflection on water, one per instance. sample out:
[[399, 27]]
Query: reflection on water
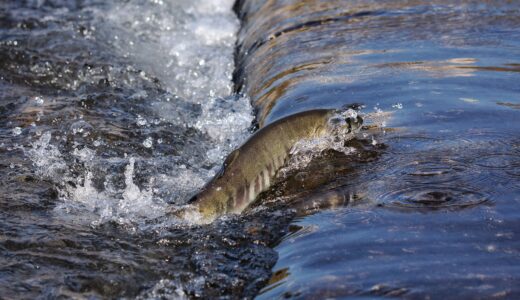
[[434, 211], [110, 113]]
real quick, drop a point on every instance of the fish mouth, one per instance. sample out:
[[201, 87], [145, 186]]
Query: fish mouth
[[347, 118], [345, 122], [344, 126], [354, 123]]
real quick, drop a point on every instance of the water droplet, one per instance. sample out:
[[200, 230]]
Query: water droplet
[[148, 143], [398, 106], [39, 100], [17, 131], [141, 121], [80, 127]]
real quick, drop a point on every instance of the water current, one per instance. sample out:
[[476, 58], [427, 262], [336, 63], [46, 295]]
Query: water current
[[113, 112], [433, 191]]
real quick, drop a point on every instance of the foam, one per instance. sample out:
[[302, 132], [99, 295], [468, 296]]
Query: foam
[[188, 46], [46, 157]]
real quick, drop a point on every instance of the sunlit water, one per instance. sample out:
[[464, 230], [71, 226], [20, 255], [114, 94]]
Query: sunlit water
[[112, 113]]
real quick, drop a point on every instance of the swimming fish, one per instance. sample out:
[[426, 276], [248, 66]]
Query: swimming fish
[[251, 169]]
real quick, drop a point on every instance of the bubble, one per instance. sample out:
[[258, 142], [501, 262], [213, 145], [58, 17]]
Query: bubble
[[81, 127], [141, 121], [38, 100], [97, 143], [148, 143], [17, 131]]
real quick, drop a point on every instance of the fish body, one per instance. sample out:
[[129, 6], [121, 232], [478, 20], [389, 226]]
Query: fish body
[[251, 169]]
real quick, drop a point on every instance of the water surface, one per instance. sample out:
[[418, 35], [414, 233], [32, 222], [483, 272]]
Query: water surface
[[111, 113], [433, 191]]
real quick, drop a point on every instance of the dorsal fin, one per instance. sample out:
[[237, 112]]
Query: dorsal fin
[[229, 160], [231, 157]]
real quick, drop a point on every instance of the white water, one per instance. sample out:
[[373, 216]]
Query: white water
[[304, 151], [188, 46]]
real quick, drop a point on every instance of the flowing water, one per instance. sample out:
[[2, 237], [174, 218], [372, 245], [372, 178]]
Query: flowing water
[[113, 112], [433, 191]]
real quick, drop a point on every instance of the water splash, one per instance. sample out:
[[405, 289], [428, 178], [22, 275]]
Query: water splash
[[165, 289], [188, 45], [304, 151], [226, 121], [46, 157], [172, 62]]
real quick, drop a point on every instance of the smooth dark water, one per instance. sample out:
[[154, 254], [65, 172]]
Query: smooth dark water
[[435, 211], [112, 112]]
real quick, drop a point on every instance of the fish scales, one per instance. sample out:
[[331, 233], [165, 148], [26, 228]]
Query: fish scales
[[250, 169]]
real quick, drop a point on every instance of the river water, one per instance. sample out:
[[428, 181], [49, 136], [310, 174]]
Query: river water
[[434, 198], [113, 112]]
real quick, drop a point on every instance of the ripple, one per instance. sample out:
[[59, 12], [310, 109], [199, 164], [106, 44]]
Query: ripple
[[411, 144], [433, 170], [498, 161], [514, 171], [481, 158], [434, 198], [357, 215]]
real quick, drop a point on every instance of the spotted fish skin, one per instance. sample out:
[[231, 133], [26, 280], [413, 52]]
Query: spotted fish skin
[[250, 169]]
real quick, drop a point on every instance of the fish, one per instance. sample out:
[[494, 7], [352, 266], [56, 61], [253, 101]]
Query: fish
[[251, 169]]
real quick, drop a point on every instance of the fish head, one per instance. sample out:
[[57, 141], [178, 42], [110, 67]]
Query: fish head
[[345, 122], [211, 202], [354, 123]]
